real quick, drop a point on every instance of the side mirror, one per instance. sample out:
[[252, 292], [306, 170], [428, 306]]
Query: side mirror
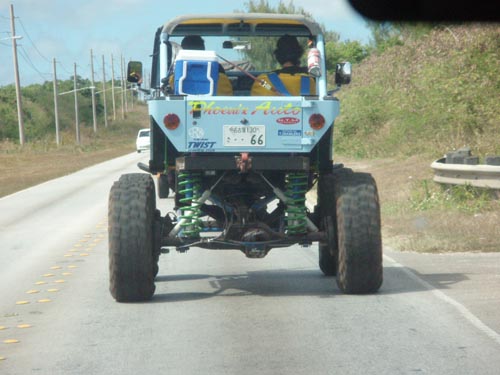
[[343, 73], [134, 72]]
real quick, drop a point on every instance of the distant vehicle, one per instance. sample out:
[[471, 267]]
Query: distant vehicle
[[142, 141]]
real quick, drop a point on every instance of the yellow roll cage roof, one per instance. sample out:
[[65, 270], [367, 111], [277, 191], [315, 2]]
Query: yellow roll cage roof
[[234, 24]]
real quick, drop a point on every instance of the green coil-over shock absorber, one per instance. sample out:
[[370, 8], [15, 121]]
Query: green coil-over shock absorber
[[296, 188], [189, 188]]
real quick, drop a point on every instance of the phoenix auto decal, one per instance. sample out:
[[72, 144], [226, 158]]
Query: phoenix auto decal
[[264, 108]]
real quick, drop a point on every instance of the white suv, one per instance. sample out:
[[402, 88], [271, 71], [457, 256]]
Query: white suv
[[142, 141]]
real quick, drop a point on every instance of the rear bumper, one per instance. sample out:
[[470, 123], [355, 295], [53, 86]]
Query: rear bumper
[[258, 162]]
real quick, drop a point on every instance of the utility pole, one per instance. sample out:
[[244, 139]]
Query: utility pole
[[56, 107], [104, 93], [123, 89], [146, 79], [16, 76], [113, 87], [131, 91], [76, 108], [94, 114]]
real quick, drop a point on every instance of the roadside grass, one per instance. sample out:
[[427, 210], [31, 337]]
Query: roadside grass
[[43, 160], [409, 106], [423, 216], [434, 93], [427, 195]]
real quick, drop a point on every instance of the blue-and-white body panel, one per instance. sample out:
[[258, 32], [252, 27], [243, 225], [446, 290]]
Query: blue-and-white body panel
[[243, 124]]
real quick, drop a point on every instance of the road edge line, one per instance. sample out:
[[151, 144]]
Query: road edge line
[[464, 311]]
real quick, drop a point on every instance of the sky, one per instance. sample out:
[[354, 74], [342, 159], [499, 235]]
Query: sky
[[68, 29]]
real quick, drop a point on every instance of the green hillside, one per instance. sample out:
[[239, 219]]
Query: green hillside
[[38, 109], [431, 94]]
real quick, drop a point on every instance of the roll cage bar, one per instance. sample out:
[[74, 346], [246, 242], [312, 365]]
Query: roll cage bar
[[233, 25]]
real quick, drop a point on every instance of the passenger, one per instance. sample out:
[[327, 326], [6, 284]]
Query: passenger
[[195, 42], [291, 79]]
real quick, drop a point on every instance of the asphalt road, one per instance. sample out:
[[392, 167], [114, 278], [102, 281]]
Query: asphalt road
[[217, 312]]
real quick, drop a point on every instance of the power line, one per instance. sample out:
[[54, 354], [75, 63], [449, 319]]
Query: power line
[[66, 70], [26, 58], [31, 40], [63, 68], [4, 43]]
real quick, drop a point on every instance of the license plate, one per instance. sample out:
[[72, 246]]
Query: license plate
[[245, 135]]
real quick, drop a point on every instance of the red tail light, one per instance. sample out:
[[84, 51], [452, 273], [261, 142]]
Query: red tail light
[[316, 121], [171, 121]]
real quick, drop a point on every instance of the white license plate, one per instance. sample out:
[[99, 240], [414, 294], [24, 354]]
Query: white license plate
[[245, 135]]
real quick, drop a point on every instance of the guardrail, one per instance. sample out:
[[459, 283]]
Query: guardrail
[[481, 175]]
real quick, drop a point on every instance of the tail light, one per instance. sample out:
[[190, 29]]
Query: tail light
[[316, 121], [171, 121]]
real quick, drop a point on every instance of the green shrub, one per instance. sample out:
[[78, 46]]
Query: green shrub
[[435, 93]]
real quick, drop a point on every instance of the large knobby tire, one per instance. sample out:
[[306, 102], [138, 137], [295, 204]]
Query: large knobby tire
[[327, 250], [131, 215], [327, 262], [359, 268], [163, 187]]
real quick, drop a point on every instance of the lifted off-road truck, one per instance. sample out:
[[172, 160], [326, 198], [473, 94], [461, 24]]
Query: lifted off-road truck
[[239, 165]]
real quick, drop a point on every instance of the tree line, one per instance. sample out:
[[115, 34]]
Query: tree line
[[38, 107]]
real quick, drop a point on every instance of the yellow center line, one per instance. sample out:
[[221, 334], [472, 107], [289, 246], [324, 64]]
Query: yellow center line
[[11, 341]]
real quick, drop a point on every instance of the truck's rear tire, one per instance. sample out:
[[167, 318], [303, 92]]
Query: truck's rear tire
[[131, 215], [163, 187], [327, 262], [359, 268], [327, 250]]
